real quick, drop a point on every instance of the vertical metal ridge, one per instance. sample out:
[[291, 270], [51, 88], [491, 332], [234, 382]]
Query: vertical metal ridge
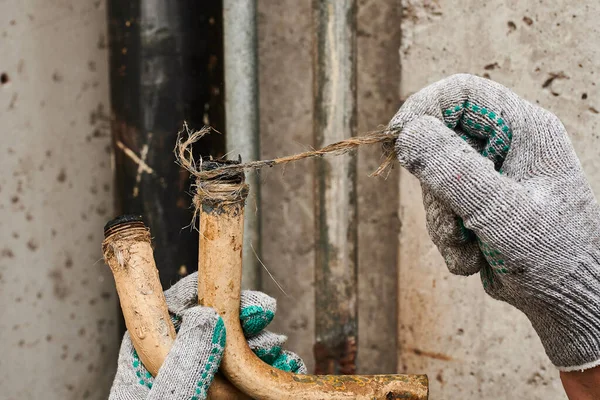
[[334, 66], [242, 123]]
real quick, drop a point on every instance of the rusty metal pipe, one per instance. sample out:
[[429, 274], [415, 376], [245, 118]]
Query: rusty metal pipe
[[219, 286], [166, 66], [128, 252]]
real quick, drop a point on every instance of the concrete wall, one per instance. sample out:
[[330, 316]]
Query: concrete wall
[[59, 308], [472, 346], [285, 45], [58, 315]]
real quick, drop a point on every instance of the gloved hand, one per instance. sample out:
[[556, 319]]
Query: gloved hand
[[505, 196], [190, 366]]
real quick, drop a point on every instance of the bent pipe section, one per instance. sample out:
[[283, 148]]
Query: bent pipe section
[[128, 252], [219, 286]]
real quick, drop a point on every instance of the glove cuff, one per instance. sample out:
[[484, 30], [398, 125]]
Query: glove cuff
[[580, 367], [567, 318], [575, 353]]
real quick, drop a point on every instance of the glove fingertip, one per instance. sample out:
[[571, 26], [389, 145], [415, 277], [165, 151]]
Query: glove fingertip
[[256, 298], [267, 345], [464, 260], [416, 137], [254, 319], [256, 312], [268, 355], [290, 362]]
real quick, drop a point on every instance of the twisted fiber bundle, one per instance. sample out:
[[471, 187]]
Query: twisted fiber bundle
[[184, 156]]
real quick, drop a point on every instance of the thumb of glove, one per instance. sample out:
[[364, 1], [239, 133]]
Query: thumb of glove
[[457, 174], [194, 359]]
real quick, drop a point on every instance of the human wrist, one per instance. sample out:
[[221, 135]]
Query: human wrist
[[582, 385]]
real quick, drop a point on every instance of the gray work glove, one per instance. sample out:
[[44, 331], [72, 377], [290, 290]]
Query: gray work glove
[[190, 366], [505, 196]]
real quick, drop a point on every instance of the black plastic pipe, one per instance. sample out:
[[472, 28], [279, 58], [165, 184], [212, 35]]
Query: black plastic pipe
[[166, 67]]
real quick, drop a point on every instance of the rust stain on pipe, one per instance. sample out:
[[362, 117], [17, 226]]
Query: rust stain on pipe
[[128, 252], [219, 286]]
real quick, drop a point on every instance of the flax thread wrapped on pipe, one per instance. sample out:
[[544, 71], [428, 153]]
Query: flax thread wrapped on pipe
[[185, 139], [219, 199]]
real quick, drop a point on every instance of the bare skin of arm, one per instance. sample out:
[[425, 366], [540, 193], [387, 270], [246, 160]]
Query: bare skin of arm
[[582, 385]]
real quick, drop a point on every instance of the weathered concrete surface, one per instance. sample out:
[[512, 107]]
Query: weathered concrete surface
[[472, 346], [336, 231], [58, 318], [55, 289], [378, 224], [285, 81], [285, 45]]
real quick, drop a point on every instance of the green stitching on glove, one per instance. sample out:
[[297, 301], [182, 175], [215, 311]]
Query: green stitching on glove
[[268, 355], [498, 154], [254, 319], [493, 257], [495, 260], [286, 363], [145, 377], [219, 336], [210, 368]]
